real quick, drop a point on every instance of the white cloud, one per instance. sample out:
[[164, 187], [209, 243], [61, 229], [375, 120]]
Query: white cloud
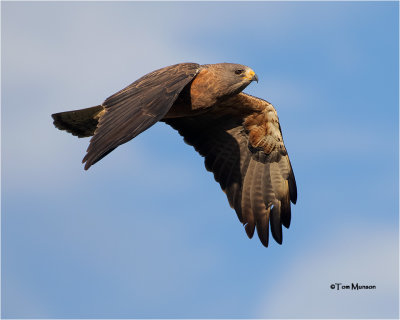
[[89, 52], [75, 56], [20, 294], [367, 255]]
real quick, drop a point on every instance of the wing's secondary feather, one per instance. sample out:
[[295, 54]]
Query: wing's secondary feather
[[137, 107]]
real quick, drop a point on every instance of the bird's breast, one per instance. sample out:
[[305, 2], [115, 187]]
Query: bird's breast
[[197, 97]]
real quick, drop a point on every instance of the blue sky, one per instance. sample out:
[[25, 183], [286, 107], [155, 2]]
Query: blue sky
[[146, 232]]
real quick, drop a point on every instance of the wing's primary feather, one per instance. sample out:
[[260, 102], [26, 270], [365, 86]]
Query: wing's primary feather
[[243, 147], [137, 107]]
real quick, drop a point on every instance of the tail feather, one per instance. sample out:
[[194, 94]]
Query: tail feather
[[81, 123]]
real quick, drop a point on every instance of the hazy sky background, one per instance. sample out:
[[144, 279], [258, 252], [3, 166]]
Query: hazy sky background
[[147, 232]]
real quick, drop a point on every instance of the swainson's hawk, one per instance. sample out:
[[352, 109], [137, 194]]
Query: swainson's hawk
[[238, 134]]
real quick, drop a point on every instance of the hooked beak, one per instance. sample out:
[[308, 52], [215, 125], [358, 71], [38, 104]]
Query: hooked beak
[[255, 78], [251, 75]]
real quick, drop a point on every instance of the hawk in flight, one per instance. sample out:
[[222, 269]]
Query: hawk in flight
[[238, 134]]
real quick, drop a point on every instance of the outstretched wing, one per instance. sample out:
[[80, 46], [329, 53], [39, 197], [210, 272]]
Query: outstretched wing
[[243, 146], [137, 107]]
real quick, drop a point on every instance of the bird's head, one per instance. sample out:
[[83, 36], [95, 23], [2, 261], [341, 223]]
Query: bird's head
[[234, 77]]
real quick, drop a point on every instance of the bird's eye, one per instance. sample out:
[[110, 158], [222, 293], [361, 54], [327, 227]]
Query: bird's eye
[[239, 71]]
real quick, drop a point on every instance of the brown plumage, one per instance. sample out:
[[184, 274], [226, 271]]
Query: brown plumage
[[239, 135]]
